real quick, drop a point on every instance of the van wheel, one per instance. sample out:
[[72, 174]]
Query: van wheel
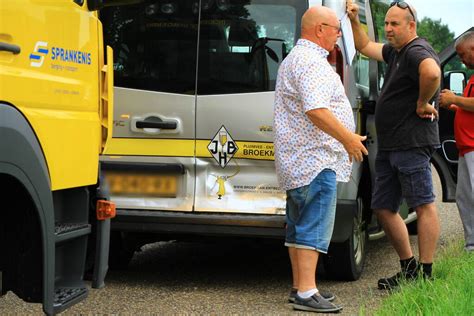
[[119, 255], [345, 260]]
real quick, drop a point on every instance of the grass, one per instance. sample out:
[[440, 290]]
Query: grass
[[450, 293]]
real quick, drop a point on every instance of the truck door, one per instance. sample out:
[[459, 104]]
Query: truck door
[[60, 70], [149, 162], [240, 48]]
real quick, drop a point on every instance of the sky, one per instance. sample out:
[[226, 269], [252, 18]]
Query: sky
[[457, 14]]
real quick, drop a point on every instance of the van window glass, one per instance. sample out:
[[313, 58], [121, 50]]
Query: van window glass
[[362, 70], [154, 44], [242, 43], [379, 8], [361, 62]]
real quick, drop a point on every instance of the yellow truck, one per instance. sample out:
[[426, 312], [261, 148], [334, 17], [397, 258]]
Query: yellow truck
[[55, 110]]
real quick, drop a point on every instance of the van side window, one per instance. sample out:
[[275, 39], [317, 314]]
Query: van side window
[[378, 9], [362, 70], [361, 62]]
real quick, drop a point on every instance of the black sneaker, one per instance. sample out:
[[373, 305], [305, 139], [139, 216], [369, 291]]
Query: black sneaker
[[393, 282], [327, 295], [315, 303]]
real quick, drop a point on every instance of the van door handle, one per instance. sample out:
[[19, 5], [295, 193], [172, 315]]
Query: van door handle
[[156, 123], [12, 48]]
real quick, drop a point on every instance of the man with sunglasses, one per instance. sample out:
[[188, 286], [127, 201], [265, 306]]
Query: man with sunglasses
[[407, 134]]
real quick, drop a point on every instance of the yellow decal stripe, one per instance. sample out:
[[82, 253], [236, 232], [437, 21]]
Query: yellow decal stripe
[[184, 148], [150, 147]]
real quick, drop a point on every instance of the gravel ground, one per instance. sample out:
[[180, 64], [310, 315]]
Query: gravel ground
[[229, 278]]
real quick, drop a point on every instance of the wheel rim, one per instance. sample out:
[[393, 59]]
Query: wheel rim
[[359, 235]]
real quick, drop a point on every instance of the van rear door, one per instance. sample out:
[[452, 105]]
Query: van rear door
[[149, 162], [240, 48]]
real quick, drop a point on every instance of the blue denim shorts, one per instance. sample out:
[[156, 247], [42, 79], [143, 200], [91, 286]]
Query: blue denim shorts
[[403, 174], [310, 213]]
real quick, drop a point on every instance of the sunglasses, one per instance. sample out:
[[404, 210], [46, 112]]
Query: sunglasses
[[403, 5], [337, 28]]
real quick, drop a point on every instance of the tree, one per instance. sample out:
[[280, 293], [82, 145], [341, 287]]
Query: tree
[[437, 34]]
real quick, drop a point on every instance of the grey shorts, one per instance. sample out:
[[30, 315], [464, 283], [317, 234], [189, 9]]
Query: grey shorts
[[403, 174]]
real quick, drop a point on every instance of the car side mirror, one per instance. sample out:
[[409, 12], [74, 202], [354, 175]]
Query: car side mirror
[[455, 81], [450, 151]]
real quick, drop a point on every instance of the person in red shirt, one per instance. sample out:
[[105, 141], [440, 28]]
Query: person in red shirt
[[464, 135]]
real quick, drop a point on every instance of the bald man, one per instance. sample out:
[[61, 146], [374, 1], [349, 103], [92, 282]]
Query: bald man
[[315, 144], [407, 134]]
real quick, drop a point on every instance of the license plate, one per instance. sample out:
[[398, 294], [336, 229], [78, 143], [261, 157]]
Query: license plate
[[131, 184]]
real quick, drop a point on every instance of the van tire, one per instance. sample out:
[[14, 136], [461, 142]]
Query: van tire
[[345, 260], [119, 255]]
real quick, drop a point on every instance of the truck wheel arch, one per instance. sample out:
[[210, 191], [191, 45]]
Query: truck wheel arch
[[22, 158]]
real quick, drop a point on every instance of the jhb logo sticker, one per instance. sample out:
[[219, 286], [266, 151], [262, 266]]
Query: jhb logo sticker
[[222, 147], [40, 52]]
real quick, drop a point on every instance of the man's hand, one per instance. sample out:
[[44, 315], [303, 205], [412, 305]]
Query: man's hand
[[447, 98], [355, 148], [323, 119], [426, 111], [352, 10]]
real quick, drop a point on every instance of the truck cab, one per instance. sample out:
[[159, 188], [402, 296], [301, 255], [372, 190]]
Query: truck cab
[[55, 103]]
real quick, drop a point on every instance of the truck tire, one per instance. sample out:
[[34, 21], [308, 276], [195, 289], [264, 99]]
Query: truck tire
[[345, 260]]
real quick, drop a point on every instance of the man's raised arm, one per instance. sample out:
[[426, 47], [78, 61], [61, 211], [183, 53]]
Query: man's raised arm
[[362, 42]]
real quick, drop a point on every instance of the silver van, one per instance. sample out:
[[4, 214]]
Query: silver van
[[192, 149]]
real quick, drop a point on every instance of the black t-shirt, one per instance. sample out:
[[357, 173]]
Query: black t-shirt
[[398, 125]]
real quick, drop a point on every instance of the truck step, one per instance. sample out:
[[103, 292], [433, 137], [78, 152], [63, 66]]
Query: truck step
[[67, 231], [65, 297]]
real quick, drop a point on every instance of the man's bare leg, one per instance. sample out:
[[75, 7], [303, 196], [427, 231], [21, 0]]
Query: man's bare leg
[[294, 265], [396, 231], [306, 260], [428, 231]]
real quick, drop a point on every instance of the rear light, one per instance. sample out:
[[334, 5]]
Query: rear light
[[336, 60], [105, 210]]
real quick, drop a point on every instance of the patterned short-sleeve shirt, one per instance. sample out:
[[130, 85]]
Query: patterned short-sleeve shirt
[[306, 81]]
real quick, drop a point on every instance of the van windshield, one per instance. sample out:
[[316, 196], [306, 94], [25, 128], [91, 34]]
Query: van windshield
[[235, 47]]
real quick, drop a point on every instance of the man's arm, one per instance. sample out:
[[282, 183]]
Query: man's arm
[[328, 123], [430, 76], [361, 39], [448, 98]]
